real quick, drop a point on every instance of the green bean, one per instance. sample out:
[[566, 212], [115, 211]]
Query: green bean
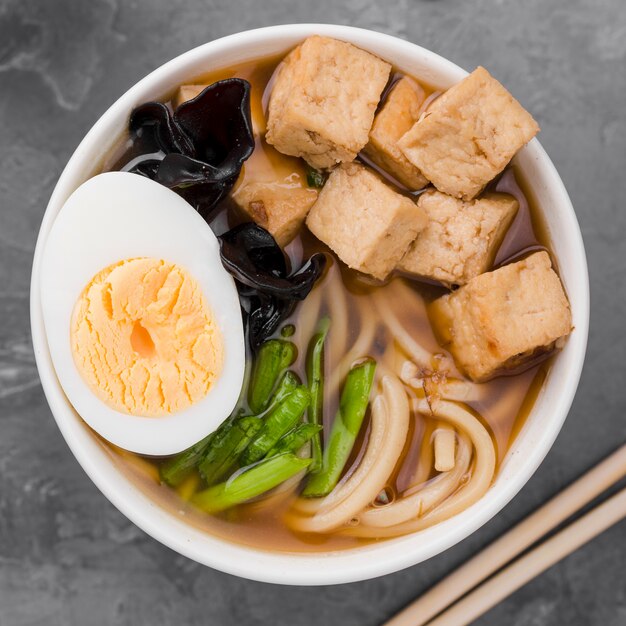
[[250, 483], [280, 420], [295, 439], [348, 421], [315, 379], [273, 358], [176, 469]]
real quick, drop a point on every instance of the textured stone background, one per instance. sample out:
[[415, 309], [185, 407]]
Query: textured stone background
[[66, 555]]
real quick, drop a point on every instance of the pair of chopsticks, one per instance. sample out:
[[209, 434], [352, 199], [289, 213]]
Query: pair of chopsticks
[[473, 589]]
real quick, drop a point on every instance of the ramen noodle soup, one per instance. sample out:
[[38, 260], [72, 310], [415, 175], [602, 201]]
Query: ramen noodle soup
[[400, 301]]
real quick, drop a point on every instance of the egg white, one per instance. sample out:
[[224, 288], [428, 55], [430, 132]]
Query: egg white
[[117, 216]]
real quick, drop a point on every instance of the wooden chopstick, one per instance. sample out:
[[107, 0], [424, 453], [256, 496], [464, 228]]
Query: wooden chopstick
[[515, 541], [534, 562]]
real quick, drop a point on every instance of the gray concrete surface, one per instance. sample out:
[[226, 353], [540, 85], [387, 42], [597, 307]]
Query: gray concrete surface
[[66, 555]]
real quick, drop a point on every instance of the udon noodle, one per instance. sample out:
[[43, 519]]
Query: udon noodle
[[473, 457]]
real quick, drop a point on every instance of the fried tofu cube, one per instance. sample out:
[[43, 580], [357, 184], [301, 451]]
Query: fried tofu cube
[[366, 222], [400, 111], [323, 101], [280, 208], [461, 238], [501, 318], [186, 92], [468, 135]]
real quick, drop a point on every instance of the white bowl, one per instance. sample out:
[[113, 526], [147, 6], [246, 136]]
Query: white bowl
[[529, 448]]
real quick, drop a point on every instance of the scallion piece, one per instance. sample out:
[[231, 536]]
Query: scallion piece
[[273, 358], [315, 178], [276, 423], [250, 483], [315, 380], [348, 421], [221, 458], [176, 469], [295, 439]]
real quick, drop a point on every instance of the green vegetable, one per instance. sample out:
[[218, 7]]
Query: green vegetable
[[175, 470], [222, 457], [218, 453], [250, 483], [278, 421], [315, 178], [352, 407], [189, 486], [219, 446], [235, 434], [273, 358], [295, 439], [315, 379], [287, 384], [288, 330]]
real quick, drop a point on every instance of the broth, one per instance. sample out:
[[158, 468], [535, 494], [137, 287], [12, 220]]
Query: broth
[[353, 302]]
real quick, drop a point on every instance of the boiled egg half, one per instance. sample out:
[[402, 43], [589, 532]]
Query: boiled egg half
[[143, 322]]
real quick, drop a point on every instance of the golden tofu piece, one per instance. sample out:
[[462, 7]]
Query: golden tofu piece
[[366, 222], [400, 111], [468, 135], [461, 238], [323, 101], [186, 92], [501, 318], [278, 207]]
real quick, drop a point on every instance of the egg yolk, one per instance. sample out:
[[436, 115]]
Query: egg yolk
[[145, 339]]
